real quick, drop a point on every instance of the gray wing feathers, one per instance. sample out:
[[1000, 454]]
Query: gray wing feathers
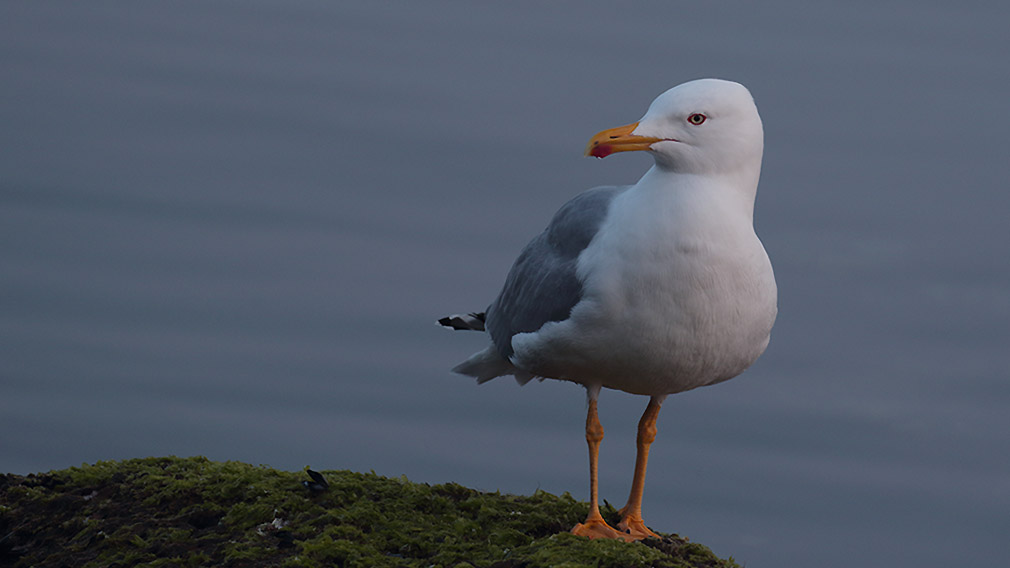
[[542, 285]]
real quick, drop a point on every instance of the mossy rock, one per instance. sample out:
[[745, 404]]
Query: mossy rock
[[196, 512]]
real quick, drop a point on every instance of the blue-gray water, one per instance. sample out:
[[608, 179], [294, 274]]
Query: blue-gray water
[[227, 229]]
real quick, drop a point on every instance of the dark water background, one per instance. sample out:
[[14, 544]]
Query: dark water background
[[227, 228]]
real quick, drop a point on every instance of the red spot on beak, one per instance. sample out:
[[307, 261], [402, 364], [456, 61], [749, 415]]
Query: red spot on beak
[[601, 150]]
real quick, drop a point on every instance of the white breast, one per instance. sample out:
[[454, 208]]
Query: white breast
[[678, 293]]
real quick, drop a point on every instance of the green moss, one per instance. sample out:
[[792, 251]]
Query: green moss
[[195, 512]]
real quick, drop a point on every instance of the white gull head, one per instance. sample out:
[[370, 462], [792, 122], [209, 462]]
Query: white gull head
[[706, 126]]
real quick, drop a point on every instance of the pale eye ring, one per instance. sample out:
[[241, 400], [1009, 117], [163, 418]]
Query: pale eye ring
[[696, 118]]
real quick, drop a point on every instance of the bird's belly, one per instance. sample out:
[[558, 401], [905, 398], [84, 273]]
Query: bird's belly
[[663, 325]]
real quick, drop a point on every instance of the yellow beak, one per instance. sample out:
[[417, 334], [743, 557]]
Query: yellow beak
[[618, 139]]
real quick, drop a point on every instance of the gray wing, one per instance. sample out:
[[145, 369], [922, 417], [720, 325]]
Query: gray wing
[[542, 285]]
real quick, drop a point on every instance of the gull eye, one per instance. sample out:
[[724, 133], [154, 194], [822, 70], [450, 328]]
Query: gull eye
[[696, 118]]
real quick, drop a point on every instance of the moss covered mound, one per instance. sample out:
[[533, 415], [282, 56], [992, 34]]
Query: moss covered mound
[[196, 512]]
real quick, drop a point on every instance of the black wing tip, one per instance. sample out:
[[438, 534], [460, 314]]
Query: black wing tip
[[470, 322]]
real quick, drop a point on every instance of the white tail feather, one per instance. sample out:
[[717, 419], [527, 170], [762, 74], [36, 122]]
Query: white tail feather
[[484, 365], [488, 364]]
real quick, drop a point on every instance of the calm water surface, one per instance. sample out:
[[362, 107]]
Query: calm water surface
[[227, 230]]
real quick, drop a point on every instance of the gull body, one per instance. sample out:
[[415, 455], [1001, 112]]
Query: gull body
[[678, 293], [653, 289]]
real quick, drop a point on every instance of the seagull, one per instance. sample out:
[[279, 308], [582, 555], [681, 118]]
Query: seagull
[[653, 289]]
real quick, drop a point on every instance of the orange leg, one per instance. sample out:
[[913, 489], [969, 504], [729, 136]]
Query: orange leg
[[631, 514], [594, 525]]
